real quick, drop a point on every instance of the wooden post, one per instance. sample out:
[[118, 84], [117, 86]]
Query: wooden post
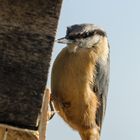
[[44, 116]]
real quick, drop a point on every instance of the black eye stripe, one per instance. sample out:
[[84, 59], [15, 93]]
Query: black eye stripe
[[86, 34], [78, 36]]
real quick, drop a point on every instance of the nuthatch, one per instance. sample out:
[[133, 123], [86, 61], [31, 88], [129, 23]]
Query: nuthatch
[[79, 79]]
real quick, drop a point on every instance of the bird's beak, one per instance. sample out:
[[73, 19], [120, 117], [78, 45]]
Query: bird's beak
[[63, 41]]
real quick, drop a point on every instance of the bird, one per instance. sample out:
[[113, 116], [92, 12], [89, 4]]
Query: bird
[[80, 79]]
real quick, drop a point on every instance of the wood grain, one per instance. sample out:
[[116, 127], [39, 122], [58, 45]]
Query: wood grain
[[27, 32]]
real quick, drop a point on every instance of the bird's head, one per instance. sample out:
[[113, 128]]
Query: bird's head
[[83, 36]]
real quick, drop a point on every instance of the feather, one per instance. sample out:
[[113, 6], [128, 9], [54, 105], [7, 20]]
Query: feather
[[101, 89]]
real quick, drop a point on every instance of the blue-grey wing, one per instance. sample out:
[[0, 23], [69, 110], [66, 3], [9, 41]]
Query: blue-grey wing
[[101, 89]]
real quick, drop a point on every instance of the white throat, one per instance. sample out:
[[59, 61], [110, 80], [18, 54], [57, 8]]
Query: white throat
[[72, 48]]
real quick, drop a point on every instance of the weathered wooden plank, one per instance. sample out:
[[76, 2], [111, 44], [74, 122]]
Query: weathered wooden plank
[[27, 31]]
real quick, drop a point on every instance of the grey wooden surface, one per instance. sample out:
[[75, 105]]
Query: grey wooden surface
[[27, 31]]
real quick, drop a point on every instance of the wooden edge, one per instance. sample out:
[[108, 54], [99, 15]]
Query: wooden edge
[[44, 115], [16, 128]]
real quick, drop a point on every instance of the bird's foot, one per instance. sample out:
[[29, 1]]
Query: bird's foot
[[51, 111]]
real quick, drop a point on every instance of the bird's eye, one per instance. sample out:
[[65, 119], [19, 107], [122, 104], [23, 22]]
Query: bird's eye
[[85, 35]]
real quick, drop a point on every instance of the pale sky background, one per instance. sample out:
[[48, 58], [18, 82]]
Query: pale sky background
[[121, 20]]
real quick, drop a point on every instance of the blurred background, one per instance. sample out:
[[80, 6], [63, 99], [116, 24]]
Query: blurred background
[[121, 21]]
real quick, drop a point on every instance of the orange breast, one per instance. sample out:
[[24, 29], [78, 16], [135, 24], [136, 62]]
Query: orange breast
[[72, 73]]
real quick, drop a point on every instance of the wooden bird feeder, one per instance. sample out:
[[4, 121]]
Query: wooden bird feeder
[[27, 32]]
